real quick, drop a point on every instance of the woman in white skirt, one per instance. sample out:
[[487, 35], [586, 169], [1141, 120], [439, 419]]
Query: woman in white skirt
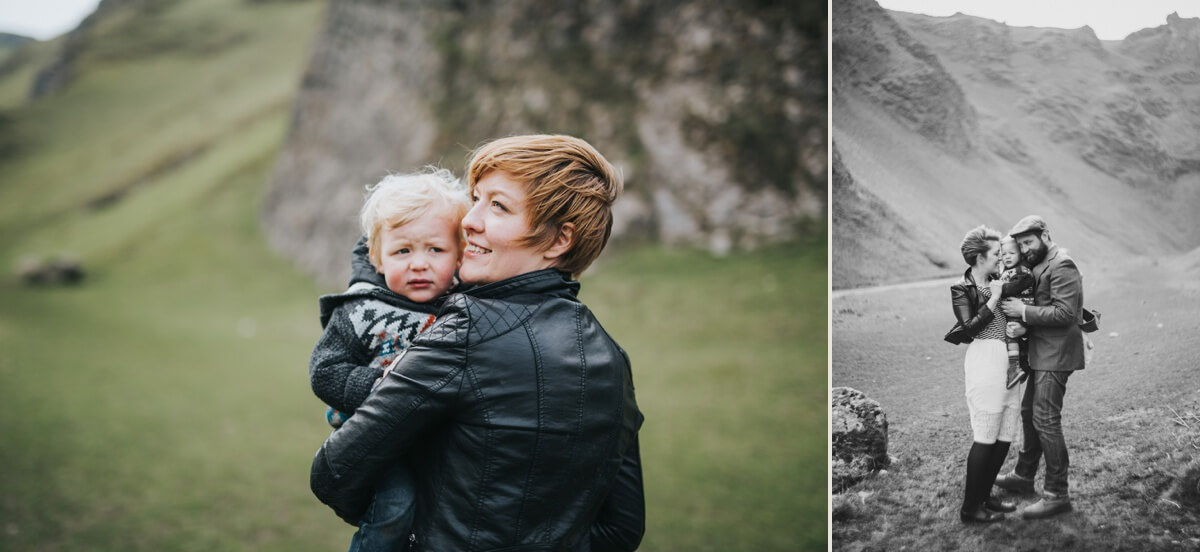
[[995, 410]]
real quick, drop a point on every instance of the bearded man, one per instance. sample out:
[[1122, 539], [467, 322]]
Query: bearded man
[[1055, 351]]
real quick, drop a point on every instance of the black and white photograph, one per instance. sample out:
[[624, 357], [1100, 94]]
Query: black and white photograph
[[1015, 275]]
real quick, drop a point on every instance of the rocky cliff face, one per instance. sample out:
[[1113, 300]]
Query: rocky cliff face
[[1097, 136], [876, 57], [715, 111]]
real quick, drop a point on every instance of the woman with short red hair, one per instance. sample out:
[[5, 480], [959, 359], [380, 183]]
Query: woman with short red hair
[[516, 410]]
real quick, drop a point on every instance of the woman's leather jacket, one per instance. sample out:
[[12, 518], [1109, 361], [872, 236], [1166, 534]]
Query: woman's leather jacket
[[516, 411], [970, 308]]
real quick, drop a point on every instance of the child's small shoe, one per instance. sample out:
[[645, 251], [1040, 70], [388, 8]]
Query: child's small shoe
[[1016, 375]]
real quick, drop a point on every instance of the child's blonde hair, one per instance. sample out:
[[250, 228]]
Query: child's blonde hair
[[399, 199]]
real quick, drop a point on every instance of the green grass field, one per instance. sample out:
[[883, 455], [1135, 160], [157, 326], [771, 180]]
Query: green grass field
[[163, 404]]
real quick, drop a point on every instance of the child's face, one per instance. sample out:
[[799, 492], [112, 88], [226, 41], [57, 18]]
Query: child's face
[[418, 259], [1009, 254]]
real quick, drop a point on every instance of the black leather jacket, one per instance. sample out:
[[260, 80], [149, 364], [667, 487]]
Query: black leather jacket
[[970, 307], [516, 411]]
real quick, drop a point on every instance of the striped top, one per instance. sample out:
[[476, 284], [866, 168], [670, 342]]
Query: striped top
[[995, 328]]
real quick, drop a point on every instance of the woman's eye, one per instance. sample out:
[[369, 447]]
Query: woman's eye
[[499, 206]]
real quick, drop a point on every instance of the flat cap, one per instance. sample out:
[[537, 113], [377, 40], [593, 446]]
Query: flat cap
[[1031, 223]]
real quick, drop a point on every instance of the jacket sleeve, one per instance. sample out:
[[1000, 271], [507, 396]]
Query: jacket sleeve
[[1066, 297], [973, 322], [621, 523], [338, 368], [421, 391]]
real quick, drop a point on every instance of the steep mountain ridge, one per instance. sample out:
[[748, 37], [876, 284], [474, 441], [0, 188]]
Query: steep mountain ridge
[[1097, 140], [1174, 43]]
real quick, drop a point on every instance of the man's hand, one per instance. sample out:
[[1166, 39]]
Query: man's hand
[[1013, 308]]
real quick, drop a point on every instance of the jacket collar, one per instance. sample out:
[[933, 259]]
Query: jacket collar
[[365, 290], [547, 281]]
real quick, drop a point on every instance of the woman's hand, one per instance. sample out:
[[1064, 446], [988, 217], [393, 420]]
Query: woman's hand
[[997, 287]]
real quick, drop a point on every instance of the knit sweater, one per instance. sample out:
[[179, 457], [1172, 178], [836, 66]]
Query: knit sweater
[[1018, 282], [366, 328]]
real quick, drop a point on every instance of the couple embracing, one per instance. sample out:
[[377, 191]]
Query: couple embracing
[[1019, 305]]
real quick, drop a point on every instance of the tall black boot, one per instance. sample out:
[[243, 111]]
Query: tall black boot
[[995, 462], [978, 464]]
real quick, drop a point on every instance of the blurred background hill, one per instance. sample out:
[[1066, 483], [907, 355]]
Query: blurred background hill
[[944, 123], [200, 164]]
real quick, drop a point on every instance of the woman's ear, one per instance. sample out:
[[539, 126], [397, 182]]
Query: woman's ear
[[562, 242]]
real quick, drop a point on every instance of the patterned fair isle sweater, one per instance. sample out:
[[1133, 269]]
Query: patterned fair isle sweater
[[366, 328]]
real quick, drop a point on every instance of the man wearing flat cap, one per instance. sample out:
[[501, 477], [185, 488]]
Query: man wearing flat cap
[[1055, 351]]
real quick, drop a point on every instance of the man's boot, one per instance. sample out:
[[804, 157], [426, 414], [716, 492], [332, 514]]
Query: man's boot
[[1049, 505], [1015, 483]]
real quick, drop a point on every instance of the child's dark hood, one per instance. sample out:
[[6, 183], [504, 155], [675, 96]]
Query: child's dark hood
[[361, 269]]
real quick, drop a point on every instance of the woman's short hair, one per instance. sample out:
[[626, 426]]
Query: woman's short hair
[[399, 199], [975, 243], [566, 181]]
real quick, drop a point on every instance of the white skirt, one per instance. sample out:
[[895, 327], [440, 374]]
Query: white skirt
[[995, 411]]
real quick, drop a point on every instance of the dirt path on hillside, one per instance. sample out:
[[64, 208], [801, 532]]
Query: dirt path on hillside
[[920, 284]]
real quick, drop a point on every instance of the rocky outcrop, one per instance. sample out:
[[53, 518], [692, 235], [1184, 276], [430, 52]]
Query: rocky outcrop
[[858, 430], [714, 111], [1175, 42], [56, 270]]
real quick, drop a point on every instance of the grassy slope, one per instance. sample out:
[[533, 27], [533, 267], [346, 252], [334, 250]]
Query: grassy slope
[[162, 404]]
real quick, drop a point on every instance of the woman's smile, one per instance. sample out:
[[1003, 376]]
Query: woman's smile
[[496, 228]]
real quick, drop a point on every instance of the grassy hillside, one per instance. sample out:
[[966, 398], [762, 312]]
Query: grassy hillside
[[163, 403]]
